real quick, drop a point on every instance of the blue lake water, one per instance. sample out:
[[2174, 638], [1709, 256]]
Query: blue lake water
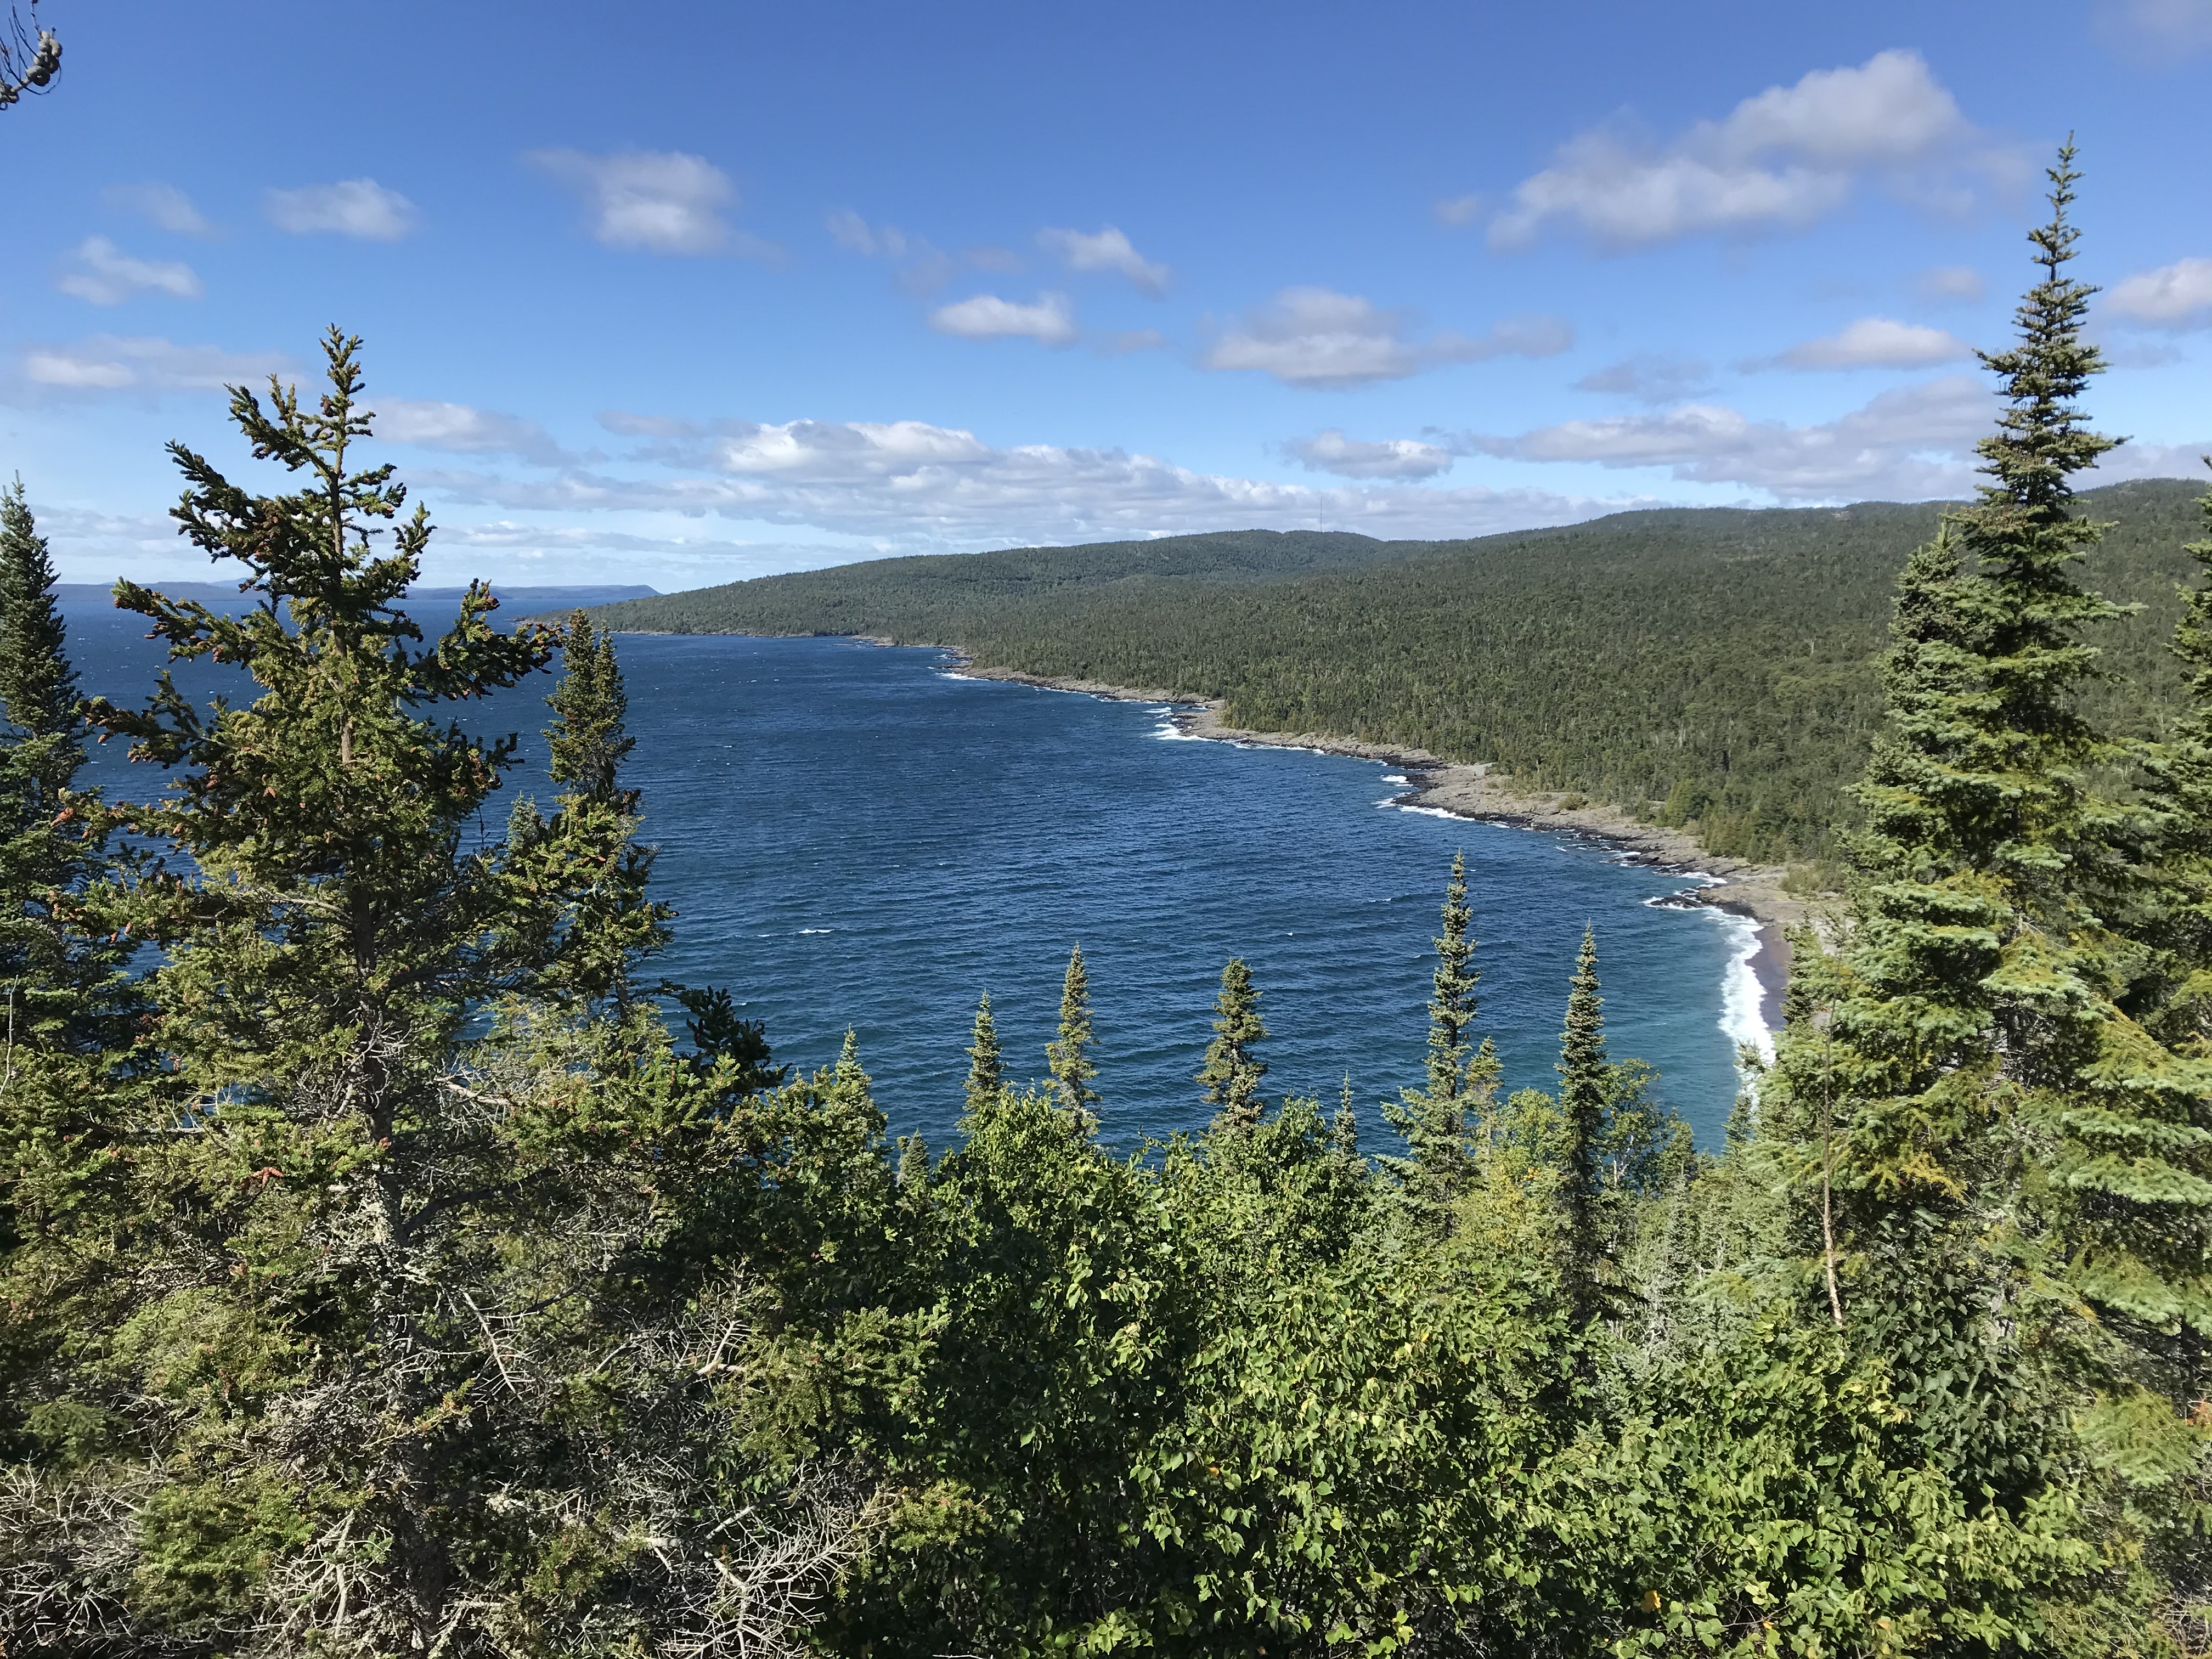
[[857, 836]]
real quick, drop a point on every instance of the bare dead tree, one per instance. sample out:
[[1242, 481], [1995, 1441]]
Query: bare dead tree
[[30, 56]]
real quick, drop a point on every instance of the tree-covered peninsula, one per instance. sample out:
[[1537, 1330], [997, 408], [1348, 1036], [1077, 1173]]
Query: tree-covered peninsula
[[393, 1262], [1717, 668]]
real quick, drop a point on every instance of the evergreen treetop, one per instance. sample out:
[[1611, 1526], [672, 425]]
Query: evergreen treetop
[[1233, 1069], [985, 1079], [1069, 1054]]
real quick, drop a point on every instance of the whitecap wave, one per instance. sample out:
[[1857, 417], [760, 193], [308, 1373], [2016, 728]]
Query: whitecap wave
[[803, 931], [1395, 777], [1168, 731], [1743, 999], [1426, 812]]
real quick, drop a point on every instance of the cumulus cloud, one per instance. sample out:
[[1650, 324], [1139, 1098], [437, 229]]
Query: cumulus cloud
[[1355, 458], [656, 201], [1315, 337], [1107, 249], [1949, 282], [1911, 443], [162, 206], [914, 485], [2175, 296], [359, 208], [102, 273], [143, 364], [1650, 378], [1874, 342], [1778, 161], [1049, 321], [461, 430]]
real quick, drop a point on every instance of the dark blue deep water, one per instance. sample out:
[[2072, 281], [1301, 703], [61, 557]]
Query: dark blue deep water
[[855, 836]]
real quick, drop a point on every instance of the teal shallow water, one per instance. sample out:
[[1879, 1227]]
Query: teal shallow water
[[856, 837]]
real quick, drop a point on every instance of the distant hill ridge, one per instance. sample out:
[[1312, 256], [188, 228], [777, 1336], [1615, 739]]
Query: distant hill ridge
[[510, 598], [1712, 668]]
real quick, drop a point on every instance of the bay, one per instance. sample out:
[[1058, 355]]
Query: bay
[[856, 837]]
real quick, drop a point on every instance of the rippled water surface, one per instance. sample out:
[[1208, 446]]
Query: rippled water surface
[[855, 836]]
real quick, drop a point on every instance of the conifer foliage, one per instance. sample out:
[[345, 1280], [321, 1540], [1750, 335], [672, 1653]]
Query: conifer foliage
[[1585, 1091], [376, 1341], [1068, 1055], [1233, 1068]]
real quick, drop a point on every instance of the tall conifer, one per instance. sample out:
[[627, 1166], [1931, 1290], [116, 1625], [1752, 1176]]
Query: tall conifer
[[1585, 1085], [1452, 1002], [1233, 1068], [1069, 1056], [985, 1072], [1461, 1076], [385, 1343], [62, 985]]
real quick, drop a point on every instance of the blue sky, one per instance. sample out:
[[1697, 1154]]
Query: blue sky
[[680, 294]]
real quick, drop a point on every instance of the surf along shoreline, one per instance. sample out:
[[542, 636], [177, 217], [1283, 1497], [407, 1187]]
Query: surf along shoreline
[[1477, 792]]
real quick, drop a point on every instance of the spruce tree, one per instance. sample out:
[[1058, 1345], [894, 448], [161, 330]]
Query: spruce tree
[[1232, 1071], [1585, 1087], [985, 1078], [1452, 1003], [615, 925], [2145, 1146], [63, 985], [1069, 1056], [588, 743], [1461, 1076], [396, 1334], [1981, 1136]]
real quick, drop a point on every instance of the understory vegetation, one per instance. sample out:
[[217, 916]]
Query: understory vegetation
[[390, 1263]]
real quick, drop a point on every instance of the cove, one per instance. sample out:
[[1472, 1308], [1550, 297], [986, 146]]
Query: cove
[[858, 836]]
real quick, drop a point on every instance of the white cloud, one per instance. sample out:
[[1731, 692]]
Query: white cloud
[[1457, 210], [163, 206], [2177, 296], [921, 267], [1649, 378], [1950, 282], [1355, 458], [102, 273], [359, 207], [1315, 337], [464, 430], [658, 201], [1104, 250], [916, 485], [1049, 321], [1911, 443], [110, 362], [2158, 31], [1874, 343], [1779, 160]]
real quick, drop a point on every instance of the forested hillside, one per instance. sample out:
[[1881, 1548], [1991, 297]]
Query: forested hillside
[[1716, 667]]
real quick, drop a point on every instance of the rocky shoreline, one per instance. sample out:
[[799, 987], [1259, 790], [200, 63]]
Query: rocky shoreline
[[1474, 792]]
